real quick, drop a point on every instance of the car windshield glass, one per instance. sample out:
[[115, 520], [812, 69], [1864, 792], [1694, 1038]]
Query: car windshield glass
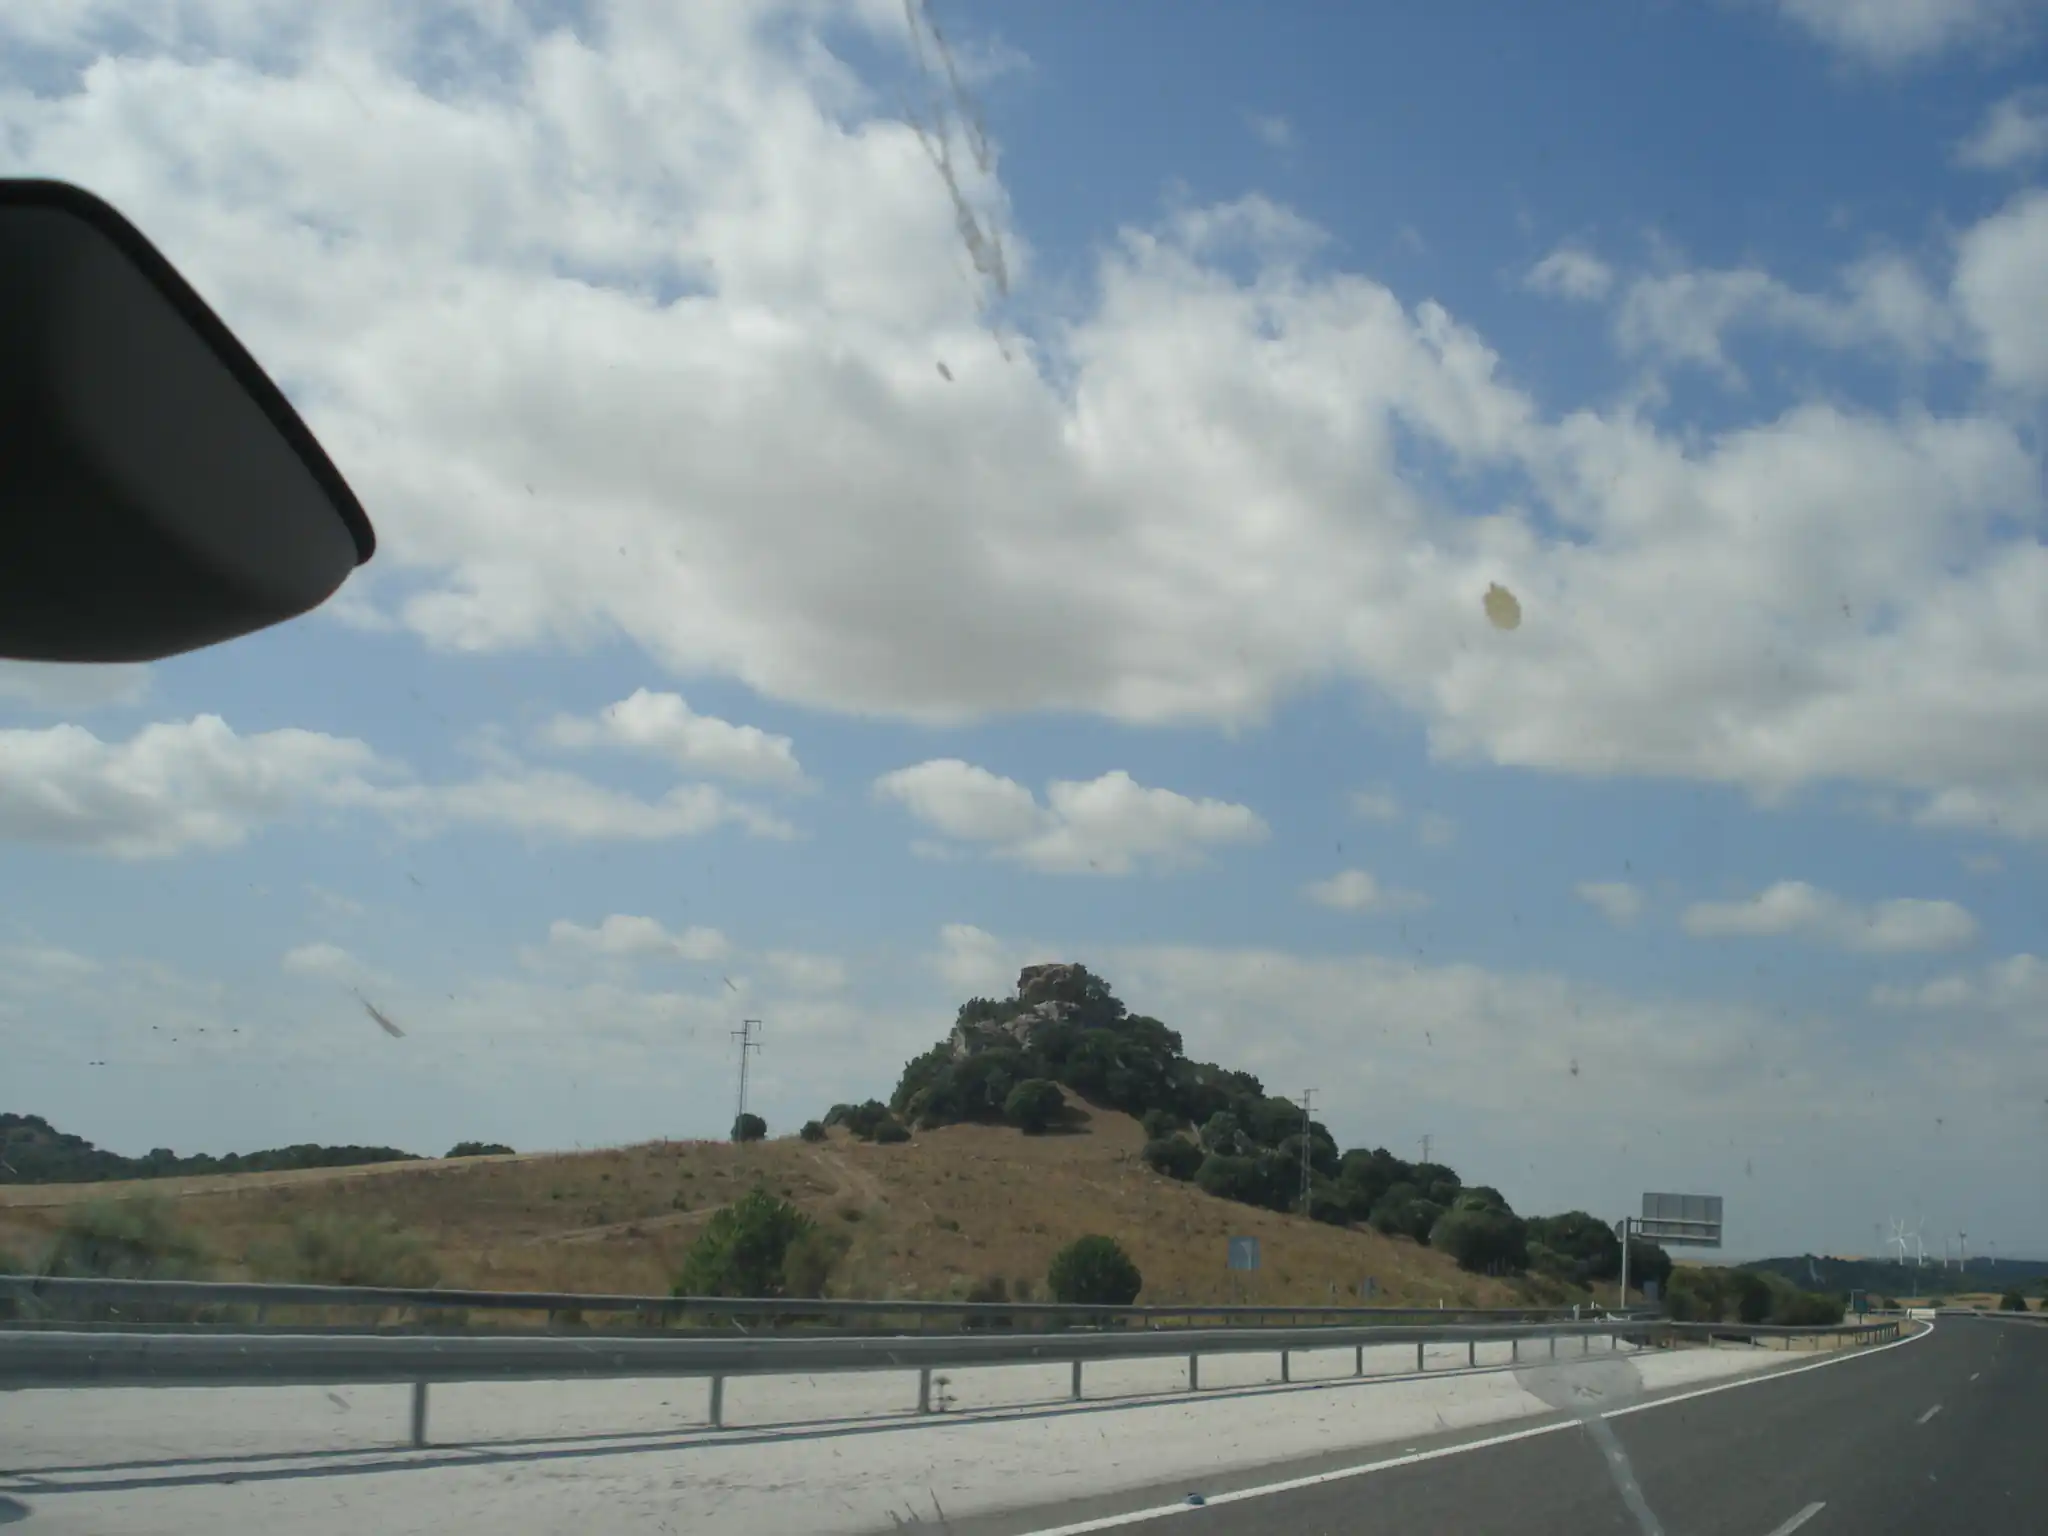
[[1098, 757]]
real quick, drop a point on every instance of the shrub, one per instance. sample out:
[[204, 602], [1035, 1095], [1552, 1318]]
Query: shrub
[[1807, 1309], [742, 1249], [350, 1250], [749, 1128], [1245, 1179], [1032, 1104], [134, 1239], [1094, 1271], [861, 1119], [479, 1149], [889, 1132], [810, 1258], [1160, 1124], [990, 1288], [1399, 1215], [2012, 1301], [812, 1131], [1174, 1156], [1482, 1240]]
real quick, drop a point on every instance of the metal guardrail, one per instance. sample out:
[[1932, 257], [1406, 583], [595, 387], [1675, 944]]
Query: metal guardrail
[[37, 1358], [55, 1293]]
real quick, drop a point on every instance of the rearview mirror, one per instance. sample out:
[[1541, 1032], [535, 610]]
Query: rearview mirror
[[158, 493]]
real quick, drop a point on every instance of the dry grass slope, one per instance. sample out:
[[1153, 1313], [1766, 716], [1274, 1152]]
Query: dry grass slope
[[927, 1218]]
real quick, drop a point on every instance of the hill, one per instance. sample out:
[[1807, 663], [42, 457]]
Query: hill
[[32, 1151], [933, 1216], [1889, 1277]]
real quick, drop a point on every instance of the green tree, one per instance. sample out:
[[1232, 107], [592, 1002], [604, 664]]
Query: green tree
[[742, 1249], [2012, 1301], [1481, 1239], [1094, 1271], [1160, 1123], [812, 1131], [1174, 1156], [479, 1149], [810, 1258], [749, 1127], [889, 1132], [1032, 1104]]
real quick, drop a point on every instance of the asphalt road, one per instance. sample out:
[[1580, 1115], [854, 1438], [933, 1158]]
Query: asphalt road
[[1943, 1433]]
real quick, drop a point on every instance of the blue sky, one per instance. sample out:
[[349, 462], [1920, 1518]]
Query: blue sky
[[811, 587]]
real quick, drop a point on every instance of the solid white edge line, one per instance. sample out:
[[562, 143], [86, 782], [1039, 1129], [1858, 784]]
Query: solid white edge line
[[1801, 1518], [1930, 1413], [1288, 1485]]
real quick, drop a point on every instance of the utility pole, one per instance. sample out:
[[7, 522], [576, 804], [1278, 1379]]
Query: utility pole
[[1306, 1094], [1425, 1148], [748, 1045]]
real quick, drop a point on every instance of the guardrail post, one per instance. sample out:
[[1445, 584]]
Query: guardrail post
[[1360, 1363], [1283, 1367], [717, 1402], [1420, 1363], [1514, 1351], [1553, 1346], [1585, 1343], [1194, 1373], [924, 1389], [1471, 1352], [419, 1415], [1077, 1381]]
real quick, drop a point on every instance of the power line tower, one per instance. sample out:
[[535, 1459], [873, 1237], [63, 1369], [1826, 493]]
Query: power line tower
[[1306, 1095], [748, 1045], [1426, 1140]]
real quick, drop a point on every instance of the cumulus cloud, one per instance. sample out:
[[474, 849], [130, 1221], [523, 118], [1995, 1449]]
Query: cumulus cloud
[[324, 962], [1111, 825], [624, 937], [1616, 900], [1570, 272], [170, 787], [641, 347], [2014, 133], [1687, 316], [663, 724], [1794, 909], [1890, 34], [2016, 985], [197, 785], [1355, 890], [2001, 287]]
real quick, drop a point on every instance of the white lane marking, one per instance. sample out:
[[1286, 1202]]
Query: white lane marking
[[1801, 1518], [1930, 1413], [1975, 1374], [1263, 1490]]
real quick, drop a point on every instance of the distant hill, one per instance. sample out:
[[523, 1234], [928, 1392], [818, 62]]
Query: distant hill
[[1888, 1277], [32, 1151]]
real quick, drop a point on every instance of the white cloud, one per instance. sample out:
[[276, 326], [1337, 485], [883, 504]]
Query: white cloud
[[662, 723], [1570, 272], [1271, 130], [1355, 890], [2013, 134], [196, 785], [1983, 863], [2016, 985], [1686, 316], [1890, 34], [322, 962], [1794, 909], [624, 937], [651, 297], [67, 687], [1110, 825], [2001, 287], [1375, 805], [170, 787], [1616, 900]]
